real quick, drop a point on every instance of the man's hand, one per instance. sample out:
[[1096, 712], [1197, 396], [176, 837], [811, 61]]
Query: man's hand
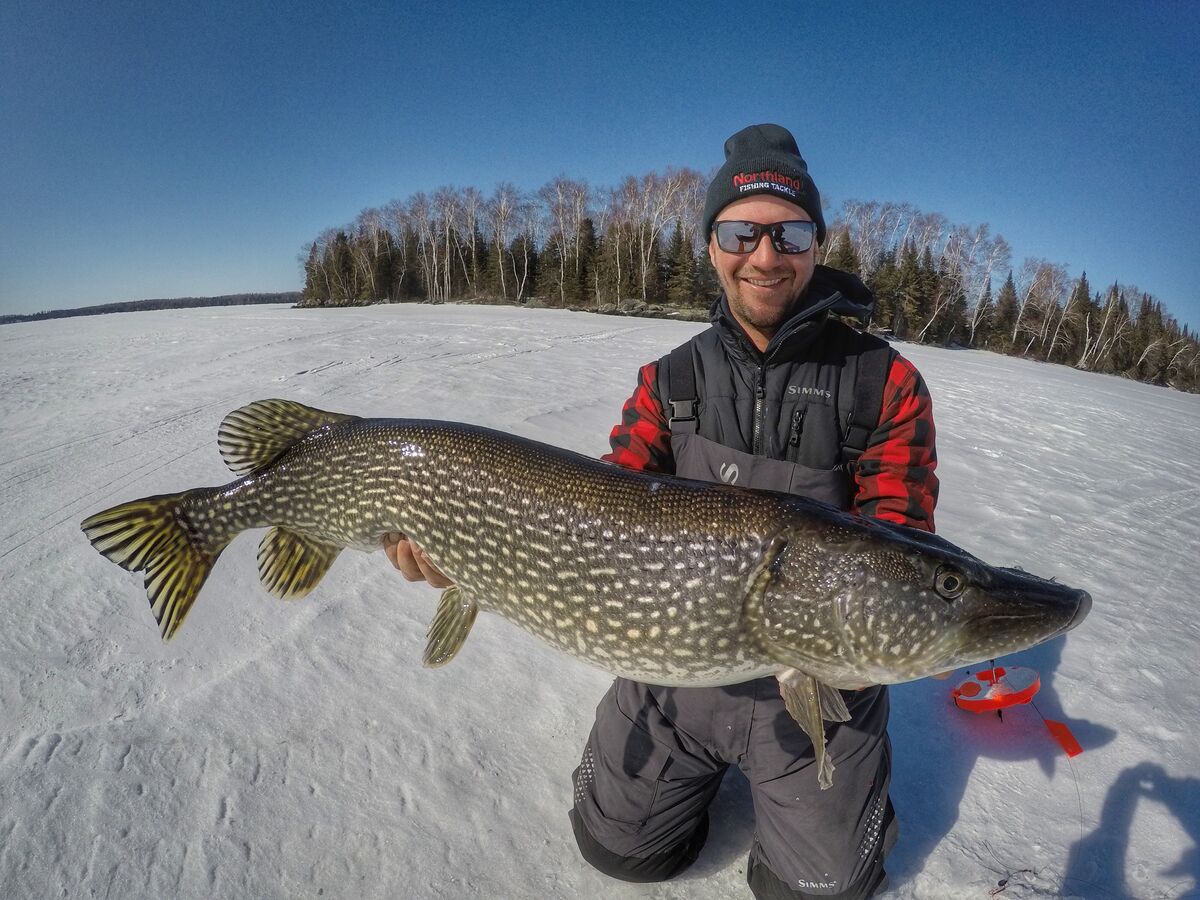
[[412, 562]]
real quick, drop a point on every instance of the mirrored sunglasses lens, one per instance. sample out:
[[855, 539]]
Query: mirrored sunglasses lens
[[792, 237], [737, 237]]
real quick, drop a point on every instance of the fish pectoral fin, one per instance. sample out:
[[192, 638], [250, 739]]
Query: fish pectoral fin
[[811, 703], [291, 564], [450, 626], [255, 435], [757, 585]]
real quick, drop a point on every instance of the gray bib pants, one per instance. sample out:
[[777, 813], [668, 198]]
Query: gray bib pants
[[656, 755]]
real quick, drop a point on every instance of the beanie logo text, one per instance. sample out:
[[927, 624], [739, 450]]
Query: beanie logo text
[[770, 180]]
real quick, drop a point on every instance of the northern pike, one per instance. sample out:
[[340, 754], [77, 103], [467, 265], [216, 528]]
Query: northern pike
[[655, 578]]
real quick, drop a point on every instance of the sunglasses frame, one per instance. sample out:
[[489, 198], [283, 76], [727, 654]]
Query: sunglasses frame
[[759, 229]]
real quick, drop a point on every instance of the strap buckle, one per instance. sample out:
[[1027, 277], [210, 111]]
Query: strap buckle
[[683, 411]]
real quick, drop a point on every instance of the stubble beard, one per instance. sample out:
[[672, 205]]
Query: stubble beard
[[764, 319]]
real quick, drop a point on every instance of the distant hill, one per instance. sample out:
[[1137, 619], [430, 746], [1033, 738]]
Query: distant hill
[[141, 305]]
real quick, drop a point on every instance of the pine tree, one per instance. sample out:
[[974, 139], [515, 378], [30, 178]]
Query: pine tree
[[884, 283], [909, 288], [549, 285], [585, 282], [313, 290], [1005, 317], [842, 255], [707, 286], [680, 281]]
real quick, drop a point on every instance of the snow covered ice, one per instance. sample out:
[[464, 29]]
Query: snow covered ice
[[299, 749]]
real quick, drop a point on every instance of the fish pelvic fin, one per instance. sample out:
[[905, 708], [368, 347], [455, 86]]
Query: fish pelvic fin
[[812, 703], [255, 435], [291, 564], [151, 535], [450, 626]]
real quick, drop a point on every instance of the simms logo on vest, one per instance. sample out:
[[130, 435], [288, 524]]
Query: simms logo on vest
[[774, 181], [795, 390]]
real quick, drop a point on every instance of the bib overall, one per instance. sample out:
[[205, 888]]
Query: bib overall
[[791, 419]]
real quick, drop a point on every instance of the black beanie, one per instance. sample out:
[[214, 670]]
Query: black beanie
[[763, 159]]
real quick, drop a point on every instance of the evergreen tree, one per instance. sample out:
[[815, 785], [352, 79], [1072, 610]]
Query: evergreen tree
[[909, 293], [924, 298], [1005, 317], [313, 289], [842, 255], [549, 285], [585, 282], [707, 287], [680, 279], [885, 283], [344, 282]]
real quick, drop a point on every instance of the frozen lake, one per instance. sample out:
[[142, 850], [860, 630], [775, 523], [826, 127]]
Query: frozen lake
[[283, 750]]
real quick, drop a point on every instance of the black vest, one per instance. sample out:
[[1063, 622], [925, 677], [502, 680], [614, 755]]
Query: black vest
[[792, 419]]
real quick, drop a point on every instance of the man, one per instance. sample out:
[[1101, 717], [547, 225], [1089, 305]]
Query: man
[[777, 394]]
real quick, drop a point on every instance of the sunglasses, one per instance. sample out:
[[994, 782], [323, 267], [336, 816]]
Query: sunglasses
[[786, 237]]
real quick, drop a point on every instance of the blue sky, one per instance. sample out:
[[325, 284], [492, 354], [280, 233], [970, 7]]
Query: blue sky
[[161, 150]]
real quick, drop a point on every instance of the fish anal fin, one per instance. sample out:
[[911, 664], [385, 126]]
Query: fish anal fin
[[811, 703], [255, 435], [451, 624], [291, 564]]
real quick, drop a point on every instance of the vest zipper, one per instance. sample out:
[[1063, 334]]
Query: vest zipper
[[760, 396], [797, 426]]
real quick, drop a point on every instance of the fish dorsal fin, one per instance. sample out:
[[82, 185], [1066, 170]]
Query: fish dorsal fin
[[291, 564], [255, 435], [812, 704], [451, 624]]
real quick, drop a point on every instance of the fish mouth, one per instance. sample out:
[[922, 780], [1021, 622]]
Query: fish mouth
[[1084, 601], [997, 633]]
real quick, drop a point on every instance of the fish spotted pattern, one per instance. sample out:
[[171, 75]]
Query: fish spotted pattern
[[654, 578]]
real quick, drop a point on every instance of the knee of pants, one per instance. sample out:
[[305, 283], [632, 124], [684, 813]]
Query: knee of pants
[[660, 867], [766, 885]]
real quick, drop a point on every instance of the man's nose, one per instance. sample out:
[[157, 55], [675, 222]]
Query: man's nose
[[765, 256]]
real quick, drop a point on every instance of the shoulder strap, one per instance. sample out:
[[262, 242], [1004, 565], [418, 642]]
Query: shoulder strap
[[871, 371], [682, 401]]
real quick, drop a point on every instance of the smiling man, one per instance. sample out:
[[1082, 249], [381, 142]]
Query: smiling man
[[778, 394]]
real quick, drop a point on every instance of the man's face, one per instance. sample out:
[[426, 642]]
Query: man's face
[[764, 287]]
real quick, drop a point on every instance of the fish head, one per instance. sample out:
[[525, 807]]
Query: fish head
[[857, 601]]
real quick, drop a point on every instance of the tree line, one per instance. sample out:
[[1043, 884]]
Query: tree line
[[160, 303], [637, 247]]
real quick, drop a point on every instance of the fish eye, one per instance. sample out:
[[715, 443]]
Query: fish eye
[[949, 583]]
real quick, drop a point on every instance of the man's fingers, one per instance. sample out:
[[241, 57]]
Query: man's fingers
[[390, 542], [431, 572], [406, 562], [412, 562]]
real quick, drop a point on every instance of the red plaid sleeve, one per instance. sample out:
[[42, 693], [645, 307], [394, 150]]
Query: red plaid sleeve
[[894, 476], [642, 440]]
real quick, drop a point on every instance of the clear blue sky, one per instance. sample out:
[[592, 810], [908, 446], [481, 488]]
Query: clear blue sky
[[158, 149]]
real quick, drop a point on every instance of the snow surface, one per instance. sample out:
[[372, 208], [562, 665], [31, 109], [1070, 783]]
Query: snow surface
[[285, 750]]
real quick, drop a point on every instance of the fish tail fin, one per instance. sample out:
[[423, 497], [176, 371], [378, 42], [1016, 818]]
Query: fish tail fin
[[151, 535]]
